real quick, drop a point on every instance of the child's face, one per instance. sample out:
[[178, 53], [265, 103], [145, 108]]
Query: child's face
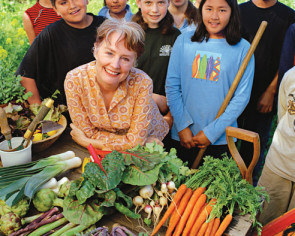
[[216, 15], [179, 3], [153, 11], [116, 6], [72, 11]]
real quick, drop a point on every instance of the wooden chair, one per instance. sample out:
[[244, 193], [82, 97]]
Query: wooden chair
[[246, 135]]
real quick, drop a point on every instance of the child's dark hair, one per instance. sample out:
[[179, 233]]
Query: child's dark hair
[[53, 2], [232, 31], [166, 23], [191, 13]]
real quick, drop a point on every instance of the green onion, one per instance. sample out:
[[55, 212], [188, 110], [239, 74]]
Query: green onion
[[36, 181], [28, 179]]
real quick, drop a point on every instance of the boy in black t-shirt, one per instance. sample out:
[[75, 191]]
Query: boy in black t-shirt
[[59, 48], [259, 112]]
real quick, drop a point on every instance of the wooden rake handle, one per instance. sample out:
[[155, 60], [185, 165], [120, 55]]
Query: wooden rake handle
[[235, 83], [249, 136]]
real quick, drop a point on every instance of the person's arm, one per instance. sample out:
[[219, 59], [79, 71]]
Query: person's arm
[[79, 137], [265, 102], [29, 28], [287, 58], [139, 126], [214, 130], [161, 102], [30, 85], [181, 117], [201, 140]]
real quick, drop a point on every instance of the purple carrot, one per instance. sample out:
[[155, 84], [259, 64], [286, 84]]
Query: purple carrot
[[46, 218]]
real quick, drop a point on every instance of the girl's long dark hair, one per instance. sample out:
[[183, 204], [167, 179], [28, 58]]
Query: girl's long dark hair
[[166, 23], [191, 13], [232, 31]]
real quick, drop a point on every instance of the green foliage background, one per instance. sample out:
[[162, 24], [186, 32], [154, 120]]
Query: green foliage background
[[13, 39]]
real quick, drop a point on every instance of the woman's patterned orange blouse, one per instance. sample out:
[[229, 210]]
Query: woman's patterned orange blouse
[[132, 117]]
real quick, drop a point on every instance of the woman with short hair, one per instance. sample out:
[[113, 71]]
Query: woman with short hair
[[110, 101]]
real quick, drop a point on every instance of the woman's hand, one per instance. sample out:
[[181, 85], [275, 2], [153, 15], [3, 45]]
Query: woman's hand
[[201, 140], [186, 138], [78, 136]]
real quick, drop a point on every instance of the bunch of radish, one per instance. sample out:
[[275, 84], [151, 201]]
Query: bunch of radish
[[152, 199]]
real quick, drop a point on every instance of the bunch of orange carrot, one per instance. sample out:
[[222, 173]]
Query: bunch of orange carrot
[[189, 214], [198, 205]]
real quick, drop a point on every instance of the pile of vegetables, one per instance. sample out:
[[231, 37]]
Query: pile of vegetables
[[152, 199], [117, 230], [18, 182], [204, 204], [101, 188], [20, 116]]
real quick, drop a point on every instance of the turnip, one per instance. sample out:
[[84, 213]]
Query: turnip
[[148, 209], [164, 188], [152, 203], [146, 192], [159, 193], [157, 213], [163, 201], [171, 186], [138, 202]]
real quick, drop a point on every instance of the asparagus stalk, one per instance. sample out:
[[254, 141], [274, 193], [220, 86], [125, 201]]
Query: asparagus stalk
[[45, 228], [63, 229], [75, 230]]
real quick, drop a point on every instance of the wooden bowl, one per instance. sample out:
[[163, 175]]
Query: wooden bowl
[[41, 145]]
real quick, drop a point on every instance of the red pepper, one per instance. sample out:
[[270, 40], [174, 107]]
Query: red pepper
[[95, 157]]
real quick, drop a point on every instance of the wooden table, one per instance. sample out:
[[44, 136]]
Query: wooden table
[[240, 226]]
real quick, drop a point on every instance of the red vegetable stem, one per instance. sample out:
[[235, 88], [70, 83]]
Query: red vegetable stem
[[95, 157]]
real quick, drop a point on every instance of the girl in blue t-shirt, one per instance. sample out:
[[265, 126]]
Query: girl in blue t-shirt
[[202, 67], [157, 22]]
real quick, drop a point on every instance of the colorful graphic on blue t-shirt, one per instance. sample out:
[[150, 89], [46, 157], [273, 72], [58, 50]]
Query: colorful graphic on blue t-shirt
[[206, 65]]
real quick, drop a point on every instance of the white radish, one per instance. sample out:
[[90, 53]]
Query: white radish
[[164, 188], [146, 192], [163, 201], [157, 213], [137, 201], [171, 186], [148, 209], [152, 203]]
